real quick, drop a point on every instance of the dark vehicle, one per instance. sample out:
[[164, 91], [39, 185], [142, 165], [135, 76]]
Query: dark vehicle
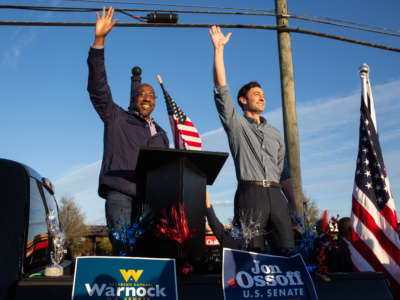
[[27, 201]]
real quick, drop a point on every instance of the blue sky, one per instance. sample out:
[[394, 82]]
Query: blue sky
[[48, 122]]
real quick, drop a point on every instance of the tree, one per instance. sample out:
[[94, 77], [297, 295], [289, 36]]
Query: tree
[[73, 224], [312, 214], [103, 246]]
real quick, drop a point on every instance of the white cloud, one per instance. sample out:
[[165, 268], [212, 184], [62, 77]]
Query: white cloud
[[81, 183], [21, 41]]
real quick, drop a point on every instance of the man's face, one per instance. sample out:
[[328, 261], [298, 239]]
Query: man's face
[[145, 100], [254, 101]]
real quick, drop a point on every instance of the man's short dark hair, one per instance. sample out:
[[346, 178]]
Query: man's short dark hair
[[344, 226], [244, 89]]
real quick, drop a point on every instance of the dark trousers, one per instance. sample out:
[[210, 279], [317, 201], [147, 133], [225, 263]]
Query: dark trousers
[[121, 211], [257, 210]]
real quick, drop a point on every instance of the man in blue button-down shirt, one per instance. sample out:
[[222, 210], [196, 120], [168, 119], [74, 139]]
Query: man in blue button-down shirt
[[258, 151]]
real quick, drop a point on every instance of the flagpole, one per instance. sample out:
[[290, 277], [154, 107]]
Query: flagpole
[[160, 81], [161, 84], [366, 92], [364, 74]]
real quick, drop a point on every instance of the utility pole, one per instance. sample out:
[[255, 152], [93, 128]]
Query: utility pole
[[288, 101]]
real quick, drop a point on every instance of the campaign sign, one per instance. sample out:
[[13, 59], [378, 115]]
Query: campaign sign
[[127, 278], [248, 275]]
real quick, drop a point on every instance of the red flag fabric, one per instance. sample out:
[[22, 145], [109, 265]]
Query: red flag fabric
[[184, 132], [325, 222], [375, 244]]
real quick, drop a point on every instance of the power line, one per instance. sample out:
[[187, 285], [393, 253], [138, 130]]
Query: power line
[[169, 5], [343, 39], [357, 27], [328, 21], [74, 9], [302, 17], [124, 11], [265, 27], [349, 23]]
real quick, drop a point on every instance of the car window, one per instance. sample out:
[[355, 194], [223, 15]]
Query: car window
[[37, 213], [36, 253], [51, 204]]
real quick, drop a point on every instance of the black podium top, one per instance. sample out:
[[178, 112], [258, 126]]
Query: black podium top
[[210, 163]]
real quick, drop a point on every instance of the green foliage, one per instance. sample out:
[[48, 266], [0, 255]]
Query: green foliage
[[103, 246], [73, 224], [312, 213]]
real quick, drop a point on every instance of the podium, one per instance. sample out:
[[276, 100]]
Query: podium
[[175, 177]]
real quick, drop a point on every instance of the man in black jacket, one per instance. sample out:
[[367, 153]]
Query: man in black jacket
[[124, 133]]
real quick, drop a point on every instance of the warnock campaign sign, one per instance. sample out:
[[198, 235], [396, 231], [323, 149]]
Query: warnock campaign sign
[[125, 278], [248, 275]]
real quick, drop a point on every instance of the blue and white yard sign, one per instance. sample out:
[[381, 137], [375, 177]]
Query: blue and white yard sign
[[248, 275], [125, 278]]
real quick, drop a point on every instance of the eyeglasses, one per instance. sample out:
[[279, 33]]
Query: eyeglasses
[[143, 95]]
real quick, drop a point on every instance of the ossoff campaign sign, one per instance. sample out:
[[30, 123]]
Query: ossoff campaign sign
[[125, 278], [258, 276]]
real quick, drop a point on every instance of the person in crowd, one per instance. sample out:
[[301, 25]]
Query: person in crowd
[[124, 133], [227, 238], [258, 151], [338, 257]]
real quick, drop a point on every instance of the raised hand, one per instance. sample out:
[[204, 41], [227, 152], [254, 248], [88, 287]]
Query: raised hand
[[218, 39], [104, 25], [208, 204]]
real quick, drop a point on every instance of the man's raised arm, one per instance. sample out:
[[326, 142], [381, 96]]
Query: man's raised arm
[[219, 41], [99, 91]]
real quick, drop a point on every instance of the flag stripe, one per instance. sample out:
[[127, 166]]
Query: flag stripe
[[191, 139], [369, 255], [390, 210], [188, 133], [369, 222], [366, 253], [363, 251], [390, 216], [356, 257], [363, 245], [377, 216], [193, 144], [186, 127], [193, 148], [189, 123]]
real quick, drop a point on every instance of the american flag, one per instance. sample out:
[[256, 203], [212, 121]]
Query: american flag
[[375, 244], [184, 132]]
